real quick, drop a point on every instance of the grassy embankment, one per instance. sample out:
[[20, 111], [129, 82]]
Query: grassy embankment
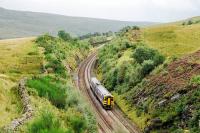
[[66, 110], [18, 58], [58, 107], [150, 99]]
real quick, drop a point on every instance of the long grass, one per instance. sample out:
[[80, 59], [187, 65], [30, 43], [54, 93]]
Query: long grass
[[15, 62], [46, 87], [173, 39]]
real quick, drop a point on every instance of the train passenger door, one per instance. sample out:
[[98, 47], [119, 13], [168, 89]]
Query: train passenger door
[[109, 103]]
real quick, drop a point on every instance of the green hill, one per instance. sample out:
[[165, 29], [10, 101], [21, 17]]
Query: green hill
[[174, 38], [22, 24], [158, 96], [47, 62]]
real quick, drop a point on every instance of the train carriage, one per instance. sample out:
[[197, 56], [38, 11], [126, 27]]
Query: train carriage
[[102, 94]]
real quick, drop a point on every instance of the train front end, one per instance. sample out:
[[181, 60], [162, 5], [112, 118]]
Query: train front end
[[108, 102]]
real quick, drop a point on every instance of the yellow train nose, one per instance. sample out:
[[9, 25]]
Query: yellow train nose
[[109, 101]]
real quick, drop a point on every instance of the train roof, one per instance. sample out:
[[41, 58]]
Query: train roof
[[100, 87], [95, 80], [103, 90]]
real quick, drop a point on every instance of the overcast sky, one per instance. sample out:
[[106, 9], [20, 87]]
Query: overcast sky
[[131, 10]]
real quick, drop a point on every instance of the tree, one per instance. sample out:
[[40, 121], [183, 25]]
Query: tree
[[121, 73], [92, 40], [158, 59], [147, 67], [189, 22], [143, 53], [136, 28], [64, 36], [78, 124]]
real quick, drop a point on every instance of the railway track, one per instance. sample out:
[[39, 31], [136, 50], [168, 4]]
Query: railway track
[[109, 121]]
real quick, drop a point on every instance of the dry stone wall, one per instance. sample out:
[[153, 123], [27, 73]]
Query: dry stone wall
[[28, 111]]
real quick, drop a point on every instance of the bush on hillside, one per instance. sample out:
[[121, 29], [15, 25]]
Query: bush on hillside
[[110, 79], [158, 59], [121, 73], [143, 53], [122, 76], [64, 36], [195, 80], [44, 39], [194, 122], [78, 124], [46, 123], [72, 99], [57, 66], [125, 44], [136, 28], [147, 67], [189, 22]]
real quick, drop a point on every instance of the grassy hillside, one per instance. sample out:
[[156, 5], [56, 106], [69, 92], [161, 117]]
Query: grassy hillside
[[159, 98], [174, 39], [48, 63], [16, 61], [22, 24]]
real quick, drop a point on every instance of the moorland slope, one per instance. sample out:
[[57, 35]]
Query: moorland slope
[[22, 24]]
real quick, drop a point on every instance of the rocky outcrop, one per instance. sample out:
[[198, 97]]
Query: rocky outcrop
[[28, 111]]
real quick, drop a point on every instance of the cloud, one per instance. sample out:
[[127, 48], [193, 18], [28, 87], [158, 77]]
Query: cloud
[[135, 10]]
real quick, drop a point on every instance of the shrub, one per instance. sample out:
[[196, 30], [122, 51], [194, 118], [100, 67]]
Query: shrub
[[53, 91], [189, 22], [147, 67], [33, 53], [46, 123], [194, 122], [158, 59], [57, 66], [72, 99], [42, 40], [195, 80], [64, 36], [78, 124], [111, 79], [136, 28], [143, 53], [125, 45], [121, 73]]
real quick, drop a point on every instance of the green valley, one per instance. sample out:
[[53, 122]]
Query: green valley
[[85, 75]]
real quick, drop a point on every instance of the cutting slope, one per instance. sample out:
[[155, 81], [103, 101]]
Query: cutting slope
[[167, 98]]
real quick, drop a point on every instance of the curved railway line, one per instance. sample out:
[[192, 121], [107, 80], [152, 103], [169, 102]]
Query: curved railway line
[[109, 121]]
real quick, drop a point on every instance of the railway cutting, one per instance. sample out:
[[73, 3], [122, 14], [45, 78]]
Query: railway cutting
[[109, 121]]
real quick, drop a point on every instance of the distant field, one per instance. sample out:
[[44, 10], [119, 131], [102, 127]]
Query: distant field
[[18, 58], [173, 39]]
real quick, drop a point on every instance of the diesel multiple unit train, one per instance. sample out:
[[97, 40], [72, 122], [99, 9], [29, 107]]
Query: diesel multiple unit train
[[102, 94]]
